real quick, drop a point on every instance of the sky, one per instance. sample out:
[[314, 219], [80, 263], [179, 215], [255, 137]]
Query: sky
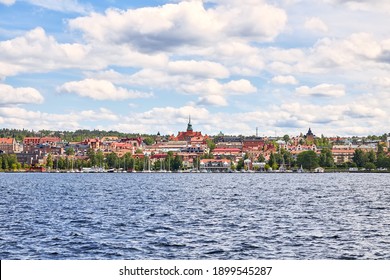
[[281, 66]]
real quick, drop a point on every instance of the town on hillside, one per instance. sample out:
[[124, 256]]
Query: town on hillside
[[191, 151]]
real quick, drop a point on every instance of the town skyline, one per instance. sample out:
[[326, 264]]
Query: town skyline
[[6, 132], [281, 66], [190, 151]]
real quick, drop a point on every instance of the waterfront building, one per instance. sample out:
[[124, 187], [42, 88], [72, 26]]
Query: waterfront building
[[215, 165], [37, 154], [345, 153], [8, 146], [319, 170]]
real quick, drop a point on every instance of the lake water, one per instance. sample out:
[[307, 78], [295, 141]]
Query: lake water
[[195, 216]]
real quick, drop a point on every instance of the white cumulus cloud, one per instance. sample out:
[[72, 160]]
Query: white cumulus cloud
[[100, 90], [213, 100], [183, 24], [239, 87], [206, 69], [214, 87], [23, 95], [37, 52], [322, 90], [316, 24], [62, 5], [7, 2], [364, 5], [285, 80]]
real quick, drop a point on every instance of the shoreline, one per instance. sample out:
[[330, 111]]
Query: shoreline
[[188, 172]]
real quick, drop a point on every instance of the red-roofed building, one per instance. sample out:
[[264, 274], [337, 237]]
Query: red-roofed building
[[189, 135], [136, 142], [227, 152], [8, 145], [118, 147], [342, 155], [40, 140], [253, 143], [92, 143]]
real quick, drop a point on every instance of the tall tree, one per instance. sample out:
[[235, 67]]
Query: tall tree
[[308, 160], [261, 158], [273, 161], [100, 158], [371, 156], [326, 158], [149, 141], [69, 151], [112, 160], [177, 163], [49, 161], [5, 165], [92, 156], [359, 157], [210, 145], [240, 164]]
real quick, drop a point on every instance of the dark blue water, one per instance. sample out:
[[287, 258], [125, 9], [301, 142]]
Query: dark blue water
[[195, 216]]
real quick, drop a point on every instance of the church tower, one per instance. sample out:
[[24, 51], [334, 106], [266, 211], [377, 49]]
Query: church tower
[[310, 136], [189, 126]]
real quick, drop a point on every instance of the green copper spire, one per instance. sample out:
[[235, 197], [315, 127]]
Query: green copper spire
[[189, 126]]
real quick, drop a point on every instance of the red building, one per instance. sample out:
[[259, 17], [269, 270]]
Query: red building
[[253, 143], [227, 152], [41, 140], [136, 142], [92, 143], [8, 145], [189, 135]]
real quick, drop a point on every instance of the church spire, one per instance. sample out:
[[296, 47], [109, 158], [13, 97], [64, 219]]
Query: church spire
[[189, 126]]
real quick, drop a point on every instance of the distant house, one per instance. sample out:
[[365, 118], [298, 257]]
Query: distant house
[[92, 143], [135, 141], [319, 170], [8, 145]]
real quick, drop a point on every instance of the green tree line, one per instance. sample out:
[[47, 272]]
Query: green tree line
[[371, 159], [112, 160], [70, 136], [9, 162]]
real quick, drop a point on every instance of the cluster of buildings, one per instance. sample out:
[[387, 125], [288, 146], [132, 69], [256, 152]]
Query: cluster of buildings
[[193, 148]]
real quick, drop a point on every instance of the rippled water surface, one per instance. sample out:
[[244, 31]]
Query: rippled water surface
[[195, 216]]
